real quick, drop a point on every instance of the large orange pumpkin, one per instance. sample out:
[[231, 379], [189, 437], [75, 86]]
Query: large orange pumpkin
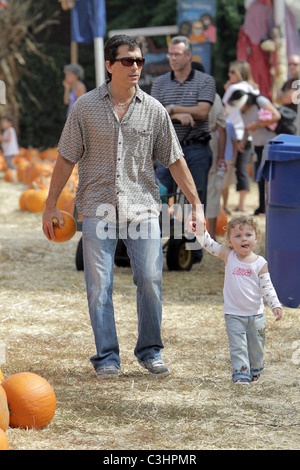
[[65, 233], [36, 200], [31, 154], [21, 166], [49, 154], [31, 400], [39, 168], [4, 444], [66, 201], [23, 199], [4, 412]]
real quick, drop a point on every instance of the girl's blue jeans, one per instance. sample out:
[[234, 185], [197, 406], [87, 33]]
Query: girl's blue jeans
[[246, 336], [145, 251]]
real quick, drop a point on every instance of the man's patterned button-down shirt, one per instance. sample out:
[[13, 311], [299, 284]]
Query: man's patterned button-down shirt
[[115, 159]]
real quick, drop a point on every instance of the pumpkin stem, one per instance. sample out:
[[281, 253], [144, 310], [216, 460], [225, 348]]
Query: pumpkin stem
[[55, 221]]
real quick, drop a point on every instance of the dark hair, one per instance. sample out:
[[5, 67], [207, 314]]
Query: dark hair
[[111, 47]]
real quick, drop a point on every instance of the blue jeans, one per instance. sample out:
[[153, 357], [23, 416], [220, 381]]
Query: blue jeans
[[145, 252], [199, 159], [246, 336]]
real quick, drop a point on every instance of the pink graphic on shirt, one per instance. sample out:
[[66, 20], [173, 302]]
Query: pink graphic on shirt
[[242, 272]]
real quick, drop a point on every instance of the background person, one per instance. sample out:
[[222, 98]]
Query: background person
[[188, 95], [259, 129], [9, 140], [285, 95], [240, 78], [73, 84]]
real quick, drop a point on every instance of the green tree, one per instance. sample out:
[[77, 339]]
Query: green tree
[[140, 14]]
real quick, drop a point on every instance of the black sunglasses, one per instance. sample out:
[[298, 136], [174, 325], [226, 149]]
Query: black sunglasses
[[129, 61]]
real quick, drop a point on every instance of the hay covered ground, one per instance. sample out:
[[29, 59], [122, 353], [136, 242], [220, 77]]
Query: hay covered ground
[[45, 327]]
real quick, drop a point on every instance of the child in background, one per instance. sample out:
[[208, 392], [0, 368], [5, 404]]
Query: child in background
[[9, 141], [247, 281], [231, 151]]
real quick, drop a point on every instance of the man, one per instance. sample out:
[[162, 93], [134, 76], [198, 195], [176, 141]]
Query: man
[[188, 96], [114, 133], [285, 95]]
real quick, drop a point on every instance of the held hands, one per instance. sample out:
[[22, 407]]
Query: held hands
[[195, 222]]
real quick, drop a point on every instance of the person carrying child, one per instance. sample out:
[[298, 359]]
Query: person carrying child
[[247, 281]]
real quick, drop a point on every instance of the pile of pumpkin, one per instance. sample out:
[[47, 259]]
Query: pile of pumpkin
[[27, 401], [34, 169]]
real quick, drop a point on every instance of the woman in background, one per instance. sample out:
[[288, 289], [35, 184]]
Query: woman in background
[[74, 86], [240, 78]]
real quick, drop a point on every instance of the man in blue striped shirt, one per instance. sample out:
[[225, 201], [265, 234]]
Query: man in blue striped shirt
[[188, 96]]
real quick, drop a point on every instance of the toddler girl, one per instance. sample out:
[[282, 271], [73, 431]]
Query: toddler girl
[[247, 281]]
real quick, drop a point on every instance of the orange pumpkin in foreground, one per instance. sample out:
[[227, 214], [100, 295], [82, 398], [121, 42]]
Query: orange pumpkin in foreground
[[4, 445], [65, 233], [4, 411], [31, 400]]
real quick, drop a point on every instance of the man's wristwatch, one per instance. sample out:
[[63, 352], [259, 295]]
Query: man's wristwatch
[[171, 106]]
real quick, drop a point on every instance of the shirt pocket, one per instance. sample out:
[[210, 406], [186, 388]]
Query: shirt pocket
[[142, 144]]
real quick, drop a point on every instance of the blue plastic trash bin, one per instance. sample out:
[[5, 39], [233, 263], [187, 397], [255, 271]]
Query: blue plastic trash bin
[[281, 169]]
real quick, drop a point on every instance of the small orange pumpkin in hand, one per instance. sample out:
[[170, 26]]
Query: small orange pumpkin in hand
[[65, 233]]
